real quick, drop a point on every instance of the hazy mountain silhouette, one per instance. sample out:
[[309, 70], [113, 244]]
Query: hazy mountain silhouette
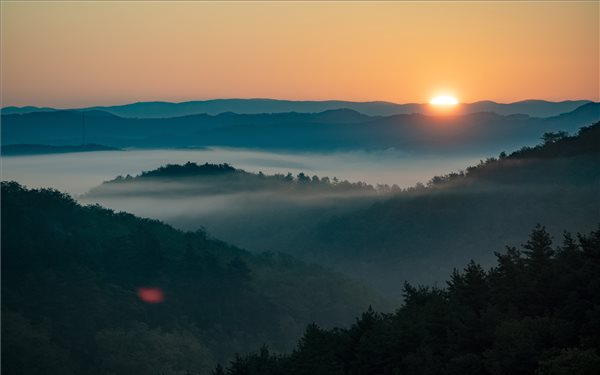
[[26, 109], [33, 149], [340, 129], [536, 108]]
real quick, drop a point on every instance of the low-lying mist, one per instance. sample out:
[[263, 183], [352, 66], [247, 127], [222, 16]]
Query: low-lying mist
[[380, 235], [253, 210], [76, 173]]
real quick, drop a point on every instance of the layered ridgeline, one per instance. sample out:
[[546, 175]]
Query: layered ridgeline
[[74, 282], [381, 235], [535, 312], [263, 211], [340, 129], [539, 108]]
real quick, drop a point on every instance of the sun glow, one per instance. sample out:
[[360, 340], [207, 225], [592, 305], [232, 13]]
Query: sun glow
[[444, 100]]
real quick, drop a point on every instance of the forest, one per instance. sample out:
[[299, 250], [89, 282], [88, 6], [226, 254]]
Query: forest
[[73, 278], [536, 311], [82, 283]]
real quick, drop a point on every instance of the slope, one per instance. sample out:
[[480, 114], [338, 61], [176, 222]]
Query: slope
[[71, 276]]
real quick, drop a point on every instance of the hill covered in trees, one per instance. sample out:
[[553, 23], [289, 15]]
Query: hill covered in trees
[[260, 210], [427, 230], [536, 312], [192, 179], [88, 290]]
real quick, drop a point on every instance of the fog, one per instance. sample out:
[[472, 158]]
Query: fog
[[76, 173], [375, 236]]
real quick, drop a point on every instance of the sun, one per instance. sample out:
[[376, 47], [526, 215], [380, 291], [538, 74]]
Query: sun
[[444, 100]]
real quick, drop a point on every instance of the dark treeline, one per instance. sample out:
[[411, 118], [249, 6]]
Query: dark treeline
[[537, 311], [225, 178], [70, 277], [554, 145]]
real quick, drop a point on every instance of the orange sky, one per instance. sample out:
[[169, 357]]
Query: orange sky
[[70, 54]]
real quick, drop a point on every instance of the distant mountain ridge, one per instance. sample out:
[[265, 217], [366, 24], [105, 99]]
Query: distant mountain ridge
[[341, 129], [534, 108], [35, 149]]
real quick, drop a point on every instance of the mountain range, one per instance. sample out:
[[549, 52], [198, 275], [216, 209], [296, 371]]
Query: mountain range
[[535, 108], [339, 129]]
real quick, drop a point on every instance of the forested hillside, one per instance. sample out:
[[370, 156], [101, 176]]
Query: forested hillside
[[192, 179], [426, 231], [88, 290], [267, 212], [536, 312]]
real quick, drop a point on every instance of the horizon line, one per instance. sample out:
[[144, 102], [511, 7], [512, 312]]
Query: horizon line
[[290, 100]]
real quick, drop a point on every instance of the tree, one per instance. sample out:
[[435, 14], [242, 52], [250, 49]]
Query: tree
[[553, 137], [572, 361], [218, 370], [538, 250]]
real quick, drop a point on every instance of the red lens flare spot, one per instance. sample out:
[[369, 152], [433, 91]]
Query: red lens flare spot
[[151, 295]]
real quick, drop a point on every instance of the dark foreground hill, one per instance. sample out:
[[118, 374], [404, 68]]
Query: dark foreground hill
[[536, 312], [74, 282]]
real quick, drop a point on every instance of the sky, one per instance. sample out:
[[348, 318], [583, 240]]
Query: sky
[[76, 54]]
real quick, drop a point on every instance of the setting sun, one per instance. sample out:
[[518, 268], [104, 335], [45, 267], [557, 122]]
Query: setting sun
[[444, 100]]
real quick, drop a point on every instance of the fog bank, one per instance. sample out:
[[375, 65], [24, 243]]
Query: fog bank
[[76, 173]]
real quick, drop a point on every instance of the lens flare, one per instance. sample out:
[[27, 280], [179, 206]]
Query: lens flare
[[151, 295]]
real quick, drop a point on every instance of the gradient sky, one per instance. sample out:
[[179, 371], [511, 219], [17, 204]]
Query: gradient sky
[[71, 54]]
